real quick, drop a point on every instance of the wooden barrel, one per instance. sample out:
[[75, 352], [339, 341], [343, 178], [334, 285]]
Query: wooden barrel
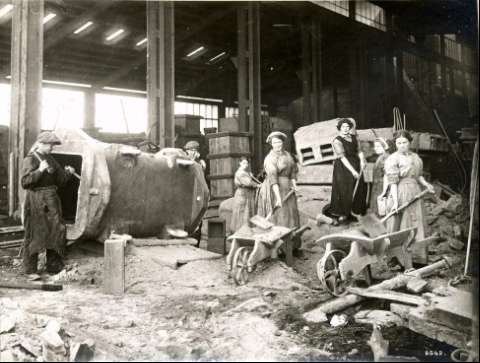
[[226, 150]]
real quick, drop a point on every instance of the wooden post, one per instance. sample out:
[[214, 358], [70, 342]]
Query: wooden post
[[254, 84], [161, 72], [443, 64], [242, 67], [389, 78], [306, 68], [317, 84], [26, 88], [89, 120], [114, 266]]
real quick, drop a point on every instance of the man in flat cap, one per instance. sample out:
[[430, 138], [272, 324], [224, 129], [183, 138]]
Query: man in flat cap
[[42, 211], [192, 149]]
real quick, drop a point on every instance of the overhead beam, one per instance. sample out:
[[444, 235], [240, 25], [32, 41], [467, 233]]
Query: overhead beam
[[141, 59], [26, 88]]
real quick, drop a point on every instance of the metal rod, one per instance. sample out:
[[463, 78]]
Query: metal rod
[[472, 206]]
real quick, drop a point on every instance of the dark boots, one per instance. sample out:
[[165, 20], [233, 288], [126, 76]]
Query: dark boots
[[54, 263]]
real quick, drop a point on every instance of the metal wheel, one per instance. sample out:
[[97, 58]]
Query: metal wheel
[[239, 266], [329, 275]]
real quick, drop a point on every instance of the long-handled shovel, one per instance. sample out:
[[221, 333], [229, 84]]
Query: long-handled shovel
[[374, 227], [264, 222]]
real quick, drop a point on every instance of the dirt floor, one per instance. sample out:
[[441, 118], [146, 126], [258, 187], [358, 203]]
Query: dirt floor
[[197, 313]]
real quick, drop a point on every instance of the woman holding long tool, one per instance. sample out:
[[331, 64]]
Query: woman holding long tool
[[348, 186], [281, 177], [404, 170], [244, 199]]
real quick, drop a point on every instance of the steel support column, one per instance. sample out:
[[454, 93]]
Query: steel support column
[[26, 89], [242, 81], [317, 84], [254, 84], [306, 72], [161, 72]]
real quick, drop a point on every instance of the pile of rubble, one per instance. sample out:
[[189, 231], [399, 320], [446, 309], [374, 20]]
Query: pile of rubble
[[49, 343], [448, 221]]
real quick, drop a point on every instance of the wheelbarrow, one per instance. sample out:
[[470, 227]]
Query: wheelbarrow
[[250, 245], [351, 253]]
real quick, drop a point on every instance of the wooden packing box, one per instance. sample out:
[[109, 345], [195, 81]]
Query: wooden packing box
[[225, 165], [221, 186], [223, 143]]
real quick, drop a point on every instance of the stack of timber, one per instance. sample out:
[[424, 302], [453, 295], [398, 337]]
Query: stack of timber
[[11, 237], [225, 151]]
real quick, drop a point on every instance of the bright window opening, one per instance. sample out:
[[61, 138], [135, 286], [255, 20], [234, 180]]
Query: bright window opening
[[338, 6], [62, 108], [370, 14], [114, 113]]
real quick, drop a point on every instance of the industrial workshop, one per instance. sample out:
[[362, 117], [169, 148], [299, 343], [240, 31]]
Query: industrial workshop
[[239, 180]]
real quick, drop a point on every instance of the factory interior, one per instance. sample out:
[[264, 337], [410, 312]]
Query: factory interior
[[197, 149]]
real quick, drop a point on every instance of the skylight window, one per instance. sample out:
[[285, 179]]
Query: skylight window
[[49, 17], [115, 35], [5, 9], [196, 52], [141, 42], [217, 57], [85, 26]]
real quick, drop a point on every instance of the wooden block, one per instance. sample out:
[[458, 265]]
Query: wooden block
[[114, 266], [454, 311], [421, 324], [416, 285], [216, 235]]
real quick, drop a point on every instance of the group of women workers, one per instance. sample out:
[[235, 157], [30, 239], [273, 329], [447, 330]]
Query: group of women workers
[[397, 179], [252, 197]]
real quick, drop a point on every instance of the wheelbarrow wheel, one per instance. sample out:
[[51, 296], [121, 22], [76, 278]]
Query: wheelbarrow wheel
[[240, 269], [328, 273]]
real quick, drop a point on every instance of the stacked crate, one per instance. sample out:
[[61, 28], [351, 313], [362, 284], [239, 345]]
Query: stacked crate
[[225, 151]]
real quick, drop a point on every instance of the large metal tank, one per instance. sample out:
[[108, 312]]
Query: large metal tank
[[124, 190]]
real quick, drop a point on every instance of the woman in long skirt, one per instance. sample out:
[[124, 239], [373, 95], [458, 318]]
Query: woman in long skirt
[[346, 172], [281, 177], [379, 185], [244, 198], [404, 170]]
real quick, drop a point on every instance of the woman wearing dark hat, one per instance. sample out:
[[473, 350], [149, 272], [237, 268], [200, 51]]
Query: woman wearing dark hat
[[281, 175], [42, 210], [347, 174]]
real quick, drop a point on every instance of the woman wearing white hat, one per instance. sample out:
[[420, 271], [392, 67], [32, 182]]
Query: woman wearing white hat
[[281, 177]]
